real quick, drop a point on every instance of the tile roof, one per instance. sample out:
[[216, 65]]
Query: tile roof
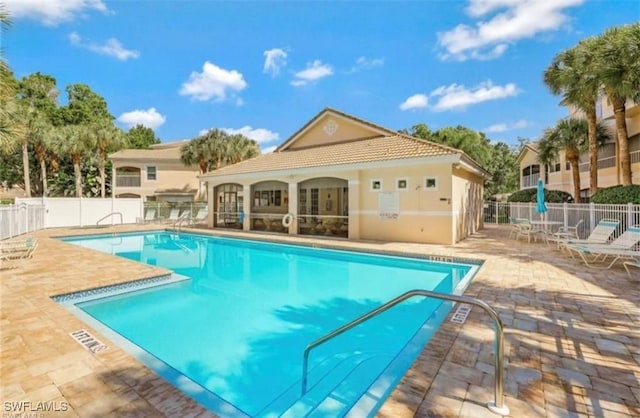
[[147, 154], [384, 148]]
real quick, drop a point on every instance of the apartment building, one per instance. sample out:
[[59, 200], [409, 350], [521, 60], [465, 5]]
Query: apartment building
[[155, 174], [557, 176]]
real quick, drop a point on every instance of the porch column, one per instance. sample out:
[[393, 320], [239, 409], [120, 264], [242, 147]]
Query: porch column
[[211, 203], [293, 207], [354, 209], [246, 206]]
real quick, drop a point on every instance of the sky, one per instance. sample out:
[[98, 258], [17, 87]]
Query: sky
[[265, 68]]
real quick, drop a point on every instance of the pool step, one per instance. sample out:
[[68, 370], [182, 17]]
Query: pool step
[[334, 394]]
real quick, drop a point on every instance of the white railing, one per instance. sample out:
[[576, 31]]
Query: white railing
[[530, 181], [634, 156], [128, 180], [20, 219], [567, 213]]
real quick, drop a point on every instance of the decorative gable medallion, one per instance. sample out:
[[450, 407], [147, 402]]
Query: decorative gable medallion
[[330, 127]]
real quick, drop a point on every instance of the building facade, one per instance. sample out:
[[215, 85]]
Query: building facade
[[342, 176], [558, 176], [155, 174]]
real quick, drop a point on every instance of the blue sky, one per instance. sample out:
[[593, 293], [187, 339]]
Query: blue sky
[[265, 68]]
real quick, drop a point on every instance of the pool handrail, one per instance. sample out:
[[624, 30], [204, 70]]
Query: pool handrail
[[111, 214], [186, 216], [497, 406]]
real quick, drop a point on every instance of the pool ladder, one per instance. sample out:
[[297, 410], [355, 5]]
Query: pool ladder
[[497, 406]]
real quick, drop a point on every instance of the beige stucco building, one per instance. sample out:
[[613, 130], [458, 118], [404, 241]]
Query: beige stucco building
[[155, 174], [558, 176], [342, 176]]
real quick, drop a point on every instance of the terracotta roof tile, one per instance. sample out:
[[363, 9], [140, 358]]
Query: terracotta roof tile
[[147, 154], [385, 148]]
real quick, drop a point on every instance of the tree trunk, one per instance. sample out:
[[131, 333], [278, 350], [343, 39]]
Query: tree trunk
[[78, 174], [43, 168], [592, 124], [619, 112], [25, 169], [575, 173]]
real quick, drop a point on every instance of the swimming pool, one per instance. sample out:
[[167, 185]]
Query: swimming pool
[[232, 333]]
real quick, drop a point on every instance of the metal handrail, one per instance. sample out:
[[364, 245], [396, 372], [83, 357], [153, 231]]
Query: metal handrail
[[186, 215], [111, 214], [497, 406]]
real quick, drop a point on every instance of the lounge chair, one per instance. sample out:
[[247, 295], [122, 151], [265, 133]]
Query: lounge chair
[[149, 216], [601, 234], [623, 247], [200, 217], [632, 263], [17, 249], [174, 215], [566, 234]]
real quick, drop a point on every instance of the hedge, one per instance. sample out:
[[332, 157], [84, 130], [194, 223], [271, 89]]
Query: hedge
[[618, 195], [550, 196]]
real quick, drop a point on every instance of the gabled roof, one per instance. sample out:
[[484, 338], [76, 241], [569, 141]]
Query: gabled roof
[[530, 147], [376, 130]]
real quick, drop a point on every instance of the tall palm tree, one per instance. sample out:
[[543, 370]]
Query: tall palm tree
[[571, 136], [40, 131], [72, 140], [105, 137], [571, 76], [197, 151], [11, 130], [619, 72]]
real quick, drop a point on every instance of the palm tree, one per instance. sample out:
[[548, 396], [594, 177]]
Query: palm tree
[[618, 70], [40, 131], [239, 148], [571, 136], [72, 140], [11, 130], [105, 137], [197, 151], [571, 76]]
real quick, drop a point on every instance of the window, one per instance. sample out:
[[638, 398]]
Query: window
[[151, 173], [401, 184], [431, 183], [376, 185]]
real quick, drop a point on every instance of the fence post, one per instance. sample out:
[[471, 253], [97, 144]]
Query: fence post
[[565, 214], [629, 214], [592, 216]]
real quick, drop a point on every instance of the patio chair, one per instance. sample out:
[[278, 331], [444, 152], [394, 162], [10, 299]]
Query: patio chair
[[174, 215], [601, 234], [201, 216], [17, 249], [623, 247], [566, 233], [149, 216], [632, 263]]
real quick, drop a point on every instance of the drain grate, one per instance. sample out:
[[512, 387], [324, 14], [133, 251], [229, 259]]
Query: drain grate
[[461, 313], [88, 341]]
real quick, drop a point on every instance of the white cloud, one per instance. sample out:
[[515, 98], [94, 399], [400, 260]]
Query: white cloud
[[52, 12], [269, 149], [517, 20], [503, 127], [417, 101], [260, 135], [364, 63], [112, 47], [212, 82], [456, 96], [149, 118], [274, 60], [315, 70]]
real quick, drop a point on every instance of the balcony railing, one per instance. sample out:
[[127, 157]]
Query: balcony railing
[[128, 180], [530, 181], [635, 157], [609, 162]]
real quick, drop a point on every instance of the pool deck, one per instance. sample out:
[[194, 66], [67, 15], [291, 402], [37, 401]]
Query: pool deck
[[572, 337]]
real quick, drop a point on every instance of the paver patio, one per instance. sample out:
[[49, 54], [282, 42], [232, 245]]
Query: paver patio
[[572, 337]]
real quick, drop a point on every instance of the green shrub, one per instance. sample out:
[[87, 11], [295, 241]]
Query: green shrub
[[550, 196], [618, 195]]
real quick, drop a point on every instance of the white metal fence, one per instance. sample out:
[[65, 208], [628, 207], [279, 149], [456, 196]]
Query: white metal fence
[[20, 219], [567, 213]]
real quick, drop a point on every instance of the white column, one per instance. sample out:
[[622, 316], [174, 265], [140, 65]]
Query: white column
[[354, 209], [293, 207], [246, 206]]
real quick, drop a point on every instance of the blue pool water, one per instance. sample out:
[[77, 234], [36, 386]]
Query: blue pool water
[[239, 324]]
